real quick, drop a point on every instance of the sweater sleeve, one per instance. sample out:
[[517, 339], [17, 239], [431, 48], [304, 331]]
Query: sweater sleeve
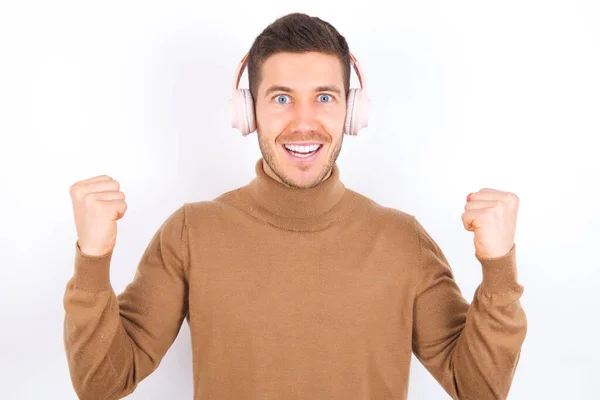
[[113, 342], [472, 350]]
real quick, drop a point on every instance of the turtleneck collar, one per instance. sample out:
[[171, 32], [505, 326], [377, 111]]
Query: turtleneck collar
[[295, 209]]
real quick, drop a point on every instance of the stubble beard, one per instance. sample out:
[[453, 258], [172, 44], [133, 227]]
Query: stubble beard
[[269, 158]]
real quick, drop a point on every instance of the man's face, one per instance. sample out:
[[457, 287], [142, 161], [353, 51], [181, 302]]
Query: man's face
[[300, 112]]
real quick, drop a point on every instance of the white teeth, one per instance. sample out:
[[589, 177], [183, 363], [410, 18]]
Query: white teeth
[[303, 155], [302, 149]]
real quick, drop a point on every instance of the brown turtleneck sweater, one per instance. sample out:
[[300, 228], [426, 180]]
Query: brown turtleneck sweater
[[294, 294]]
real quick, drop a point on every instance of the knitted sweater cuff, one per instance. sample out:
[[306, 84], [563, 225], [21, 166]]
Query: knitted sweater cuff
[[92, 273], [500, 273]]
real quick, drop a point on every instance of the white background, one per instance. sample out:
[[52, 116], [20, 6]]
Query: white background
[[465, 95]]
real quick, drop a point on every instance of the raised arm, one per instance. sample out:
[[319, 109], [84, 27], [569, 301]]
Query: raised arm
[[113, 342], [472, 350]]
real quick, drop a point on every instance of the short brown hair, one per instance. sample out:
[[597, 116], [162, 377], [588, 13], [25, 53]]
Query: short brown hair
[[297, 33]]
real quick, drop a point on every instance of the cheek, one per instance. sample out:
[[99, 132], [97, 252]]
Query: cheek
[[333, 120], [270, 120]]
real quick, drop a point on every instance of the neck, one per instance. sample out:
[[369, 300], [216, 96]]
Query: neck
[[272, 201]]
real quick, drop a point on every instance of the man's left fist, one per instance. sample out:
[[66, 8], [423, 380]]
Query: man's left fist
[[492, 215]]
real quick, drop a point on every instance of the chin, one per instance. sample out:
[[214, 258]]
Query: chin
[[300, 172], [302, 176]]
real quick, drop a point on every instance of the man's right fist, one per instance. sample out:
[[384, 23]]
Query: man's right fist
[[97, 205]]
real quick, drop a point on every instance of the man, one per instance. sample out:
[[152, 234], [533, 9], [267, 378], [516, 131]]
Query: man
[[294, 286]]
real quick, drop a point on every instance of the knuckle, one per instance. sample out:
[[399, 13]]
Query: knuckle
[[78, 192], [511, 198]]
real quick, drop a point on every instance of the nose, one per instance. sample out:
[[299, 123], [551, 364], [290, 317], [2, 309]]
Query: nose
[[305, 116]]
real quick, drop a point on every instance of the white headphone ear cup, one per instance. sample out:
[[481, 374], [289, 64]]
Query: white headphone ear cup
[[362, 110], [357, 112], [249, 110], [350, 110], [241, 111], [236, 110]]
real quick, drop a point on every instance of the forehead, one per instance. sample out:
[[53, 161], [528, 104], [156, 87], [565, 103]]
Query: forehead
[[301, 71]]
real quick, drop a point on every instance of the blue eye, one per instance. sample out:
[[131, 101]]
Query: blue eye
[[281, 96], [326, 96]]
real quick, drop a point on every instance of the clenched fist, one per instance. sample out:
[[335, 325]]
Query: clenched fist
[[492, 215], [97, 205]]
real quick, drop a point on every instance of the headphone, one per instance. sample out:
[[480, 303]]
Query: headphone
[[241, 105]]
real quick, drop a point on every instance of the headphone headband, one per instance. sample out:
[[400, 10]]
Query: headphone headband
[[240, 71]]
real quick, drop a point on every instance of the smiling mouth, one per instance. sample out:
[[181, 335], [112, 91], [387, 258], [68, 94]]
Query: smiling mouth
[[302, 151]]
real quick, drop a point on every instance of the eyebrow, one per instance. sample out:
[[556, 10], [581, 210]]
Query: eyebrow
[[324, 88], [329, 88]]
